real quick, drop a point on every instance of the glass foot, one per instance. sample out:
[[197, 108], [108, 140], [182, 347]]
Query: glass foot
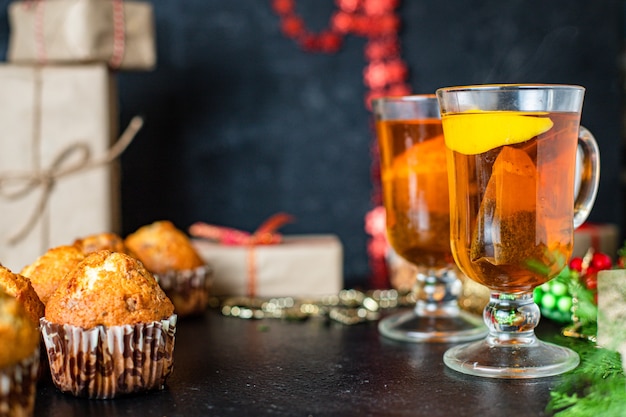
[[411, 327], [492, 359]]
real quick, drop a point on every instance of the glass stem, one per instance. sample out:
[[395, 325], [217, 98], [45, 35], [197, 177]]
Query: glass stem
[[437, 292], [511, 318]]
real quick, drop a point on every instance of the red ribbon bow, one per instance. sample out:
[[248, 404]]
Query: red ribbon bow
[[265, 235]]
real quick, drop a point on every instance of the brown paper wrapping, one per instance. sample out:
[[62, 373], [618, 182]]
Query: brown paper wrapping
[[602, 237], [47, 111], [304, 265], [107, 362], [80, 31], [612, 311]]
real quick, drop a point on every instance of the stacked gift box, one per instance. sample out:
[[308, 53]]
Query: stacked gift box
[[59, 102]]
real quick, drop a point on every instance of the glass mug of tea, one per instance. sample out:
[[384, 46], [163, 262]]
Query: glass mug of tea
[[511, 154], [414, 180]]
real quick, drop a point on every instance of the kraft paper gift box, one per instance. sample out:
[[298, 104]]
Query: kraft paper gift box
[[299, 266], [602, 237], [82, 31], [612, 311], [51, 117]]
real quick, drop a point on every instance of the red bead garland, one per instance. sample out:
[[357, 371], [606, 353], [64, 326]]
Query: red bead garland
[[385, 74]]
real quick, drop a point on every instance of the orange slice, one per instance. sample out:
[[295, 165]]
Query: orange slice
[[421, 158]]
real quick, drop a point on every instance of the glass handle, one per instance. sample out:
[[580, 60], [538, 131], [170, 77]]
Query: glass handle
[[589, 176]]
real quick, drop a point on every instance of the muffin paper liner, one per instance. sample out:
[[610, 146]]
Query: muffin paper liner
[[187, 289], [18, 385], [107, 362]]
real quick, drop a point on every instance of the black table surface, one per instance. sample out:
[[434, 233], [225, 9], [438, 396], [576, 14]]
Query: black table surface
[[228, 366]]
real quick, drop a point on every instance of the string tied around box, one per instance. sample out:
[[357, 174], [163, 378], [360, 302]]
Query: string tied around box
[[16, 185], [265, 234], [119, 32]]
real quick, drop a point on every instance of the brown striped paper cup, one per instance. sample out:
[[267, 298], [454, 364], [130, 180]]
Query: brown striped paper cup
[[18, 386], [108, 362], [188, 290]]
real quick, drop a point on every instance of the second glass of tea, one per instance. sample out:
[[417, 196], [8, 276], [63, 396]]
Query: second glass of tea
[[512, 153], [415, 195]]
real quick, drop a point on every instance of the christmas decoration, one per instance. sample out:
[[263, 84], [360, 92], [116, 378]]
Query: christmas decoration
[[571, 298], [597, 387], [347, 307], [385, 71], [377, 247]]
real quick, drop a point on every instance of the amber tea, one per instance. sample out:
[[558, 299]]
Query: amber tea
[[513, 204], [415, 195], [511, 152], [415, 190]]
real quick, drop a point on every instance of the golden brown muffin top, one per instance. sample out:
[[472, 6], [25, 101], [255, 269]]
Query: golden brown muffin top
[[106, 240], [18, 333], [20, 287], [49, 270], [111, 289], [162, 247]]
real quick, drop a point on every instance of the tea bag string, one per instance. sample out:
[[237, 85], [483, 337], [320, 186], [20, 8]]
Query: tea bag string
[[59, 168]]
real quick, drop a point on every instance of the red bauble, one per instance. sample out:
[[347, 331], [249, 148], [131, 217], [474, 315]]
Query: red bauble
[[330, 42], [591, 281], [350, 6], [396, 71], [292, 26], [283, 6], [378, 49], [601, 261], [375, 75], [378, 7], [576, 264], [401, 89], [342, 22], [388, 24]]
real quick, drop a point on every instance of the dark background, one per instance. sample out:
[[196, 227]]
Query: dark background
[[241, 123]]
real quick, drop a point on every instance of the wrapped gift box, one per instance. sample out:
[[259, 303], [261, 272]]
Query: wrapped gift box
[[602, 237], [48, 114], [612, 311], [300, 266], [81, 31]]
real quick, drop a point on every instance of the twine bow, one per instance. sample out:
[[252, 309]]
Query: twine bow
[[265, 235], [15, 185]]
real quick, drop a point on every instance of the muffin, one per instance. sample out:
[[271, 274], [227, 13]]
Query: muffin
[[21, 288], [19, 358], [100, 241], [47, 272], [109, 329], [168, 253]]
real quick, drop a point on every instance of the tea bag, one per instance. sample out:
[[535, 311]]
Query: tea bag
[[506, 227]]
